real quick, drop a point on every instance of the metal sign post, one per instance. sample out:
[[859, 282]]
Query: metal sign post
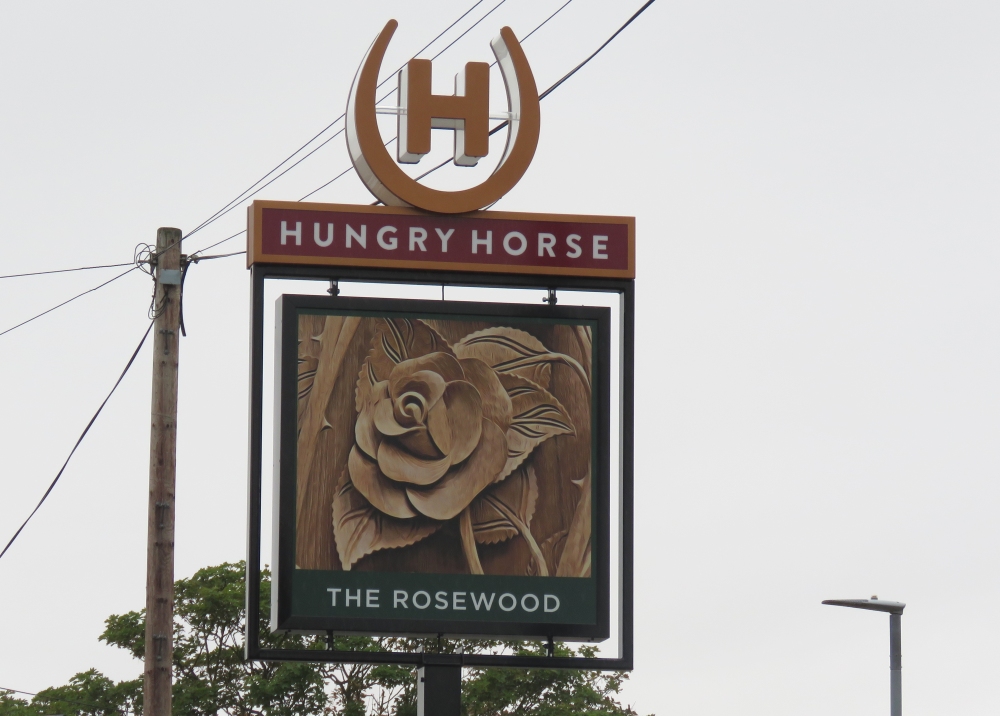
[[439, 688]]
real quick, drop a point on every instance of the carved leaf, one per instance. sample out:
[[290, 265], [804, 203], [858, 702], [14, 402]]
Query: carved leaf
[[508, 350], [490, 511], [536, 416], [512, 351], [360, 529], [399, 339]]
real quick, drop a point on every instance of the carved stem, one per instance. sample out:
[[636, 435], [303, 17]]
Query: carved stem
[[536, 358], [469, 541], [543, 568]]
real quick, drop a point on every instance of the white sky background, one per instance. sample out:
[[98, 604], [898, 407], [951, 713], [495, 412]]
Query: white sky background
[[816, 193]]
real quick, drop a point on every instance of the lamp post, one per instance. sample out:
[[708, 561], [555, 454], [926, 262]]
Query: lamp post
[[895, 611]]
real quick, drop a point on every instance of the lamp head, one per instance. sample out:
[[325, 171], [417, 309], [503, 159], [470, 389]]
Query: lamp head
[[874, 604]]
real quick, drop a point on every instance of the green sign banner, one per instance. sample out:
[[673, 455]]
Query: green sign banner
[[454, 597]]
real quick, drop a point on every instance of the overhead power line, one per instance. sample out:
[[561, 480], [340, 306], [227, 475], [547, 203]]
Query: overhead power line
[[255, 187], [340, 131], [503, 124], [552, 88], [596, 52], [540, 25], [212, 246], [468, 30], [56, 700], [79, 268], [80, 439], [217, 256], [69, 300], [324, 186], [244, 195]]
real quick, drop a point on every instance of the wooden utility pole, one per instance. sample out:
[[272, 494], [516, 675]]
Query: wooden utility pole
[[158, 675]]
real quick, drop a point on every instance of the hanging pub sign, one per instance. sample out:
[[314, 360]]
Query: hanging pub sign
[[443, 467], [440, 467]]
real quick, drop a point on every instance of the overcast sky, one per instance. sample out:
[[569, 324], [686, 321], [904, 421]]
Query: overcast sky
[[815, 187]]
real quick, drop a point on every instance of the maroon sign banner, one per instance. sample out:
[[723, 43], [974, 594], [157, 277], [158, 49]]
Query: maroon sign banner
[[280, 232]]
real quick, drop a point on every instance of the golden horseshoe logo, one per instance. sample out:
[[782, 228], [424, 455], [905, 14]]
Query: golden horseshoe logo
[[382, 175]]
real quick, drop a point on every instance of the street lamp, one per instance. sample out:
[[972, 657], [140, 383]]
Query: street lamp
[[895, 610]]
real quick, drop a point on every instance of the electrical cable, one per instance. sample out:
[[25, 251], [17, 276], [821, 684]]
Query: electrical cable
[[492, 64], [196, 257], [79, 268], [231, 205], [271, 181], [493, 131], [239, 233], [607, 42], [324, 186], [211, 219], [542, 23], [64, 701], [218, 256], [245, 194], [471, 27], [549, 91], [69, 300], [80, 439]]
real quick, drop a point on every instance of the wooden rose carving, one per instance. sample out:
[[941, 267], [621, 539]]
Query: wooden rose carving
[[445, 432]]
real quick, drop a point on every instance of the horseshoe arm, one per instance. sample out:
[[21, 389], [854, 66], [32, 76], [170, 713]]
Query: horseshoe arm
[[522, 98], [364, 144]]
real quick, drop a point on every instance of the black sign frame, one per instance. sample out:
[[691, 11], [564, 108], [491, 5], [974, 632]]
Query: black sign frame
[[626, 289]]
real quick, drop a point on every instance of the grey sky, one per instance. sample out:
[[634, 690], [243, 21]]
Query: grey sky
[[816, 193]]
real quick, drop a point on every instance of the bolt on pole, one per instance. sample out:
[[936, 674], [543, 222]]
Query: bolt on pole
[[158, 672]]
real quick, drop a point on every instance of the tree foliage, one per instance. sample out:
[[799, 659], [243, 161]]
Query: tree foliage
[[211, 677]]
